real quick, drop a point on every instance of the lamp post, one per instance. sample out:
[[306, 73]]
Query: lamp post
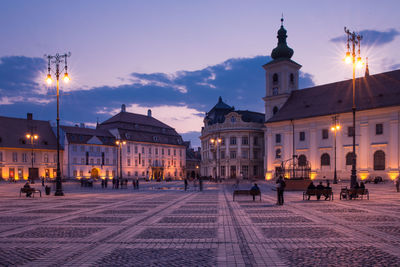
[[31, 137], [119, 143], [56, 60], [335, 127], [216, 142], [353, 41]]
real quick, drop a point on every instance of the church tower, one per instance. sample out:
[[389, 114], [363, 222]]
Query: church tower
[[282, 75]]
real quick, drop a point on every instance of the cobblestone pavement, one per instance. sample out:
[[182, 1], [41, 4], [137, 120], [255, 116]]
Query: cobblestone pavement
[[162, 225]]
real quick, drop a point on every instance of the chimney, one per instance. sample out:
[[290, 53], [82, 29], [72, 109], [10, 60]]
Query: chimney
[[29, 116], [149, 113], [123, 108], [82, 125]]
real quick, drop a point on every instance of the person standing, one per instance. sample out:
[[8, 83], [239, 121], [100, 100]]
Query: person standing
[[280, 188], [254, 191], [137, 183], [201, 184], [105, 182], [186, 184], [398, 184]]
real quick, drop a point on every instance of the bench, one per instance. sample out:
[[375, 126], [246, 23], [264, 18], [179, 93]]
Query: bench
[[29, 190], [315, 192], [246, 193], [354, 193]]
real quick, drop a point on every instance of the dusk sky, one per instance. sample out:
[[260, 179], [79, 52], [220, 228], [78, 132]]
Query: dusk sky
[[177, 57]]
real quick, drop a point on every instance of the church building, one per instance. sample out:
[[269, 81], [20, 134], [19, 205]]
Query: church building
[[316, 124]]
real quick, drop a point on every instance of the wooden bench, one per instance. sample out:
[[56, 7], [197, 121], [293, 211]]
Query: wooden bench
[[246, 193], [315, 192], [353, 193], [29, 190]]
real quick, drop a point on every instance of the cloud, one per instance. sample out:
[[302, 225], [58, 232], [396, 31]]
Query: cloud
[[371, 37], [178, 99]]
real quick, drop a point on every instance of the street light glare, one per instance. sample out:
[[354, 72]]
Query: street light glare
[[49, 80], [35, 136], [66, 78], [28, 136], [359, 63]]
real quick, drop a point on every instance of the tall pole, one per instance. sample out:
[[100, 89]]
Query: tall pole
[[354, 39], [335, 128], [120, 161], [57, 59]]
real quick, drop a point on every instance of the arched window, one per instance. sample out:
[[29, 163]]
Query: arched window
[[302, 160], [291, 78], [325, 160], [275, 78], [379, 160], [233, 119], [275, 110], [349, 158], [278, 153]]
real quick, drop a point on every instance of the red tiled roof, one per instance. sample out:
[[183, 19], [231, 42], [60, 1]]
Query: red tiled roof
[[375, 91]]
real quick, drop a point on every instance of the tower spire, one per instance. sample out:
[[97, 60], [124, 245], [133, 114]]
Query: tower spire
[[366, 69]]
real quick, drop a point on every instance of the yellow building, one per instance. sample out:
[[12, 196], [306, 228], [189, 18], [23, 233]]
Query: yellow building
[[27, 148]]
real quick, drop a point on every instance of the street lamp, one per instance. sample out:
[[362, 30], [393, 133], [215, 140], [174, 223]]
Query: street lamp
[[215, 142], [353, 41], [335, 127], [119, 143], [31, 137], [56, 60]]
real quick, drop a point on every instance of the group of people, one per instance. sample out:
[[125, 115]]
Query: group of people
[[280, 189], [320, 186]]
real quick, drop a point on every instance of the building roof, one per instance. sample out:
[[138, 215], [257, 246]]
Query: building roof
[[374, 91], [81, 135], [220, 110], [13, 133], [141, 128]]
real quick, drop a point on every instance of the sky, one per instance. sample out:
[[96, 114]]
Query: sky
[[177, 57]]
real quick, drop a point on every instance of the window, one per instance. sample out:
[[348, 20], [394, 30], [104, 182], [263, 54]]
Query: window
[[223, 171], [379, 160], [149, 150], [245, 154], [325, 160], [136, 162], [81, 173], [275, 78], [255, 141], [75, 173], [349, 158], [1, 156], [46, 158], [20, 173], [379, 129], [278, 153], [222, 154], [169, 152], [162, 151], [156, 150], [222, 141], [128, 148], [350, 131], [15, 156], [174, 152], [245, 171], [302, 136], [74, 148], [277, 138], [302, 160], [255, 154], [149, 162], [107, 173], [233, 119], [275, 110], [232, 140], [255, 170], [142, 150], [129, 162], [233, 154], [24, 157], [325, 134], [275, 91], [245, 140]]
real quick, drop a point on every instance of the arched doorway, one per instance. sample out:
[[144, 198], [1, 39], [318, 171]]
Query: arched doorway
[[94, 173]]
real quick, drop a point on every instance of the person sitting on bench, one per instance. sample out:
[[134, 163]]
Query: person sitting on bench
[[254, 191], [27, 187], [320, 187], [328, 187], [311, 186]]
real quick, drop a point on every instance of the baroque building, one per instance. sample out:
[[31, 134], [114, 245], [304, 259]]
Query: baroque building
[[299, 122], [150, 148], [232, 143], [28, 148]]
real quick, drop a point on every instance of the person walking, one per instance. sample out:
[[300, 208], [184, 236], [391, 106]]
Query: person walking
[[398, 184], [105, 182], [254, 191], [42, 181], [201, 184], [280, 188], [102, 184], [186, 184], [137, 184]]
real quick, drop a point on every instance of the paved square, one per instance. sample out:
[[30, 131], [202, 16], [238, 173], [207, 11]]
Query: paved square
[[157, 227]]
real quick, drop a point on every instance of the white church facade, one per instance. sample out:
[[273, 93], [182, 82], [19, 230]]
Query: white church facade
[[299, 122]]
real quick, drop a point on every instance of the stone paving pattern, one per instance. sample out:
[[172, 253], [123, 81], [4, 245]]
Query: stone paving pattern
[[157, 227]]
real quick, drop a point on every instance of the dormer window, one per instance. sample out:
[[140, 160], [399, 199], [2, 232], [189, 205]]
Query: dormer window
[[156, 139], [291, 78], [233, 119], [275, 91], [275, 78]]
